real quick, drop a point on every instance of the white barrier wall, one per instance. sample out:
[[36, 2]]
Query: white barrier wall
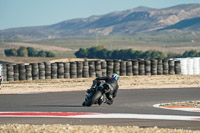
[[190, 66]]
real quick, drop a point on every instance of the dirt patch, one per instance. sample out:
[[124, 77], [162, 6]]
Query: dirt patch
[[190, 104], [37, 46]]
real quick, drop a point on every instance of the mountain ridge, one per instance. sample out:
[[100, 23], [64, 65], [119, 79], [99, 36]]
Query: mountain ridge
[[137, 20]]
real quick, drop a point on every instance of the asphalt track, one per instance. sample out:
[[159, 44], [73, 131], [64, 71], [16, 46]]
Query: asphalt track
[[138, 101]]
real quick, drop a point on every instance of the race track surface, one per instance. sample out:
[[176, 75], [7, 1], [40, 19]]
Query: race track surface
[[139, 101]]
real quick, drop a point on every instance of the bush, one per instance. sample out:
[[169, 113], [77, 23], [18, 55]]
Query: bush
[[28, 52]]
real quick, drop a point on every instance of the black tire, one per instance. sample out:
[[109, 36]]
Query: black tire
[[93, 99]]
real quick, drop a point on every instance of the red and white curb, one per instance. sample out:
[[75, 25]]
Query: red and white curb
[[177, 108], [98, 115]]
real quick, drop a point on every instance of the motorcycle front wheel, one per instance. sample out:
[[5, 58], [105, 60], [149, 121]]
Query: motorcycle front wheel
[[93, 99]]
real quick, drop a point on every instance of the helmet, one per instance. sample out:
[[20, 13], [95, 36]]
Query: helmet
[[115, 76]]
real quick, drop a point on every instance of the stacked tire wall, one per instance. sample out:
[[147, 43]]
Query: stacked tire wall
[[85, 69]]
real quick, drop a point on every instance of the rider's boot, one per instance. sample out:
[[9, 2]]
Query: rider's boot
[[110, 99], [83, 104]]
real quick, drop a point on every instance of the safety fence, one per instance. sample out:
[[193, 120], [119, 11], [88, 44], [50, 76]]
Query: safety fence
[[85, 69]]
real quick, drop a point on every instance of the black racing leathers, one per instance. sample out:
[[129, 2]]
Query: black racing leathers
[[113, 86]]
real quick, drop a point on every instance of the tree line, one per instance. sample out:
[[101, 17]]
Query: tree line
[[100, 52], [28, 52]]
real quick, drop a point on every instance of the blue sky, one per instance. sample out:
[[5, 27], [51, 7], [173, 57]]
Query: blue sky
[[22, 13]]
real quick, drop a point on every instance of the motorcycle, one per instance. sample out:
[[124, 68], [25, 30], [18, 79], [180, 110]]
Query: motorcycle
[[97, 95]]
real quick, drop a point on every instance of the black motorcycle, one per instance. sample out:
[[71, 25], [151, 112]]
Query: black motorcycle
[[96, 95]]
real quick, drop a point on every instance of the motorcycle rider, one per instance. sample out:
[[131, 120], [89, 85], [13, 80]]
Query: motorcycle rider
[[111, 86]]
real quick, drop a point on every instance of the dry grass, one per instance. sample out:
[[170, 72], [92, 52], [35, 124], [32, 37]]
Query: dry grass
[[57, 128], [125, 82]]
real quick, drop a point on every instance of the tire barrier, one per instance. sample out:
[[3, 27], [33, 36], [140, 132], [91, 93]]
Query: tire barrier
[[171, 67], [110, 67], [98, 68], [60, 72], [129, 69], [35, 71], [135, 67], [160, 67], [47, 70], [67, 70], [10, 72], [4, 72], [28, 72], [141, 67], [165, 67], [147, 67], [154, 67], [92, 69], [73, 70], [104, 68], [177, 67], [79, 69], [16, 72], [22, 72], [85, 69], [54, 72], [123, 68], [41, 70], [116, 68]]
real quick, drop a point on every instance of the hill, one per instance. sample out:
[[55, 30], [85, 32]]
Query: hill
[[187, 24], [128, 22]]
